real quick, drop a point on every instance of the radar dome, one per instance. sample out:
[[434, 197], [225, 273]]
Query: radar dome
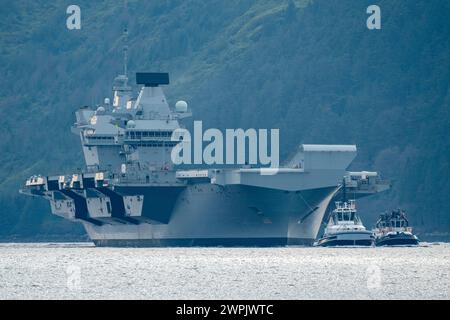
[[107, 101], [181, 106], [131, 124]]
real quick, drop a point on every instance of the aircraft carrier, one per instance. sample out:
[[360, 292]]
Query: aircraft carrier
[[131, 194]]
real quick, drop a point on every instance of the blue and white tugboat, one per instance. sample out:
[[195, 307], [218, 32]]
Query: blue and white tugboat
[[345, 228], [393, 229]]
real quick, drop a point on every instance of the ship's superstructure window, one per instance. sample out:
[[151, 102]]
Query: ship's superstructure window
[[346, 216], [132, 135], [101, 138], [156, 144]]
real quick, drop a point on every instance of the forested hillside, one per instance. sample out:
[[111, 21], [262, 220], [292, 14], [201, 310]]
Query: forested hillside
[[308, 67]]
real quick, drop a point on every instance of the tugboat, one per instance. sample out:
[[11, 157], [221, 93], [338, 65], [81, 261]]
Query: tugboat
[[393, 229], [345, 228]]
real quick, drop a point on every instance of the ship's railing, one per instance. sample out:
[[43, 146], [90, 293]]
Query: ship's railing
[[159, 177], [106, 141], [394, 229], [35, 181], [345, 207]]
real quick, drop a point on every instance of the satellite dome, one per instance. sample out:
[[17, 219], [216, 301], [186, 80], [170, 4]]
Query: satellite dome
[[100, 109], [107, 101], [131, 124], [181, 106]]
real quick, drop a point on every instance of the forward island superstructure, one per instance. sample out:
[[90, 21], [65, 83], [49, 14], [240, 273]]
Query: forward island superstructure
[[131, 193]]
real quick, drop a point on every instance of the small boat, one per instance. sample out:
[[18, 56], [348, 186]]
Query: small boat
[[345, 228], [392, 229]]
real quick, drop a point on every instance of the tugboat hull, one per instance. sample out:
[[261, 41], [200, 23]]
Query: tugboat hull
[[397, 239], [347, 239]]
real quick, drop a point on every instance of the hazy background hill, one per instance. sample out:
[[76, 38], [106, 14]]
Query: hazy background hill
[[310, 68]]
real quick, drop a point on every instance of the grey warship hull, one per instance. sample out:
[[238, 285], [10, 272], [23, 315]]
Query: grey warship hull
[[207, 215]]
